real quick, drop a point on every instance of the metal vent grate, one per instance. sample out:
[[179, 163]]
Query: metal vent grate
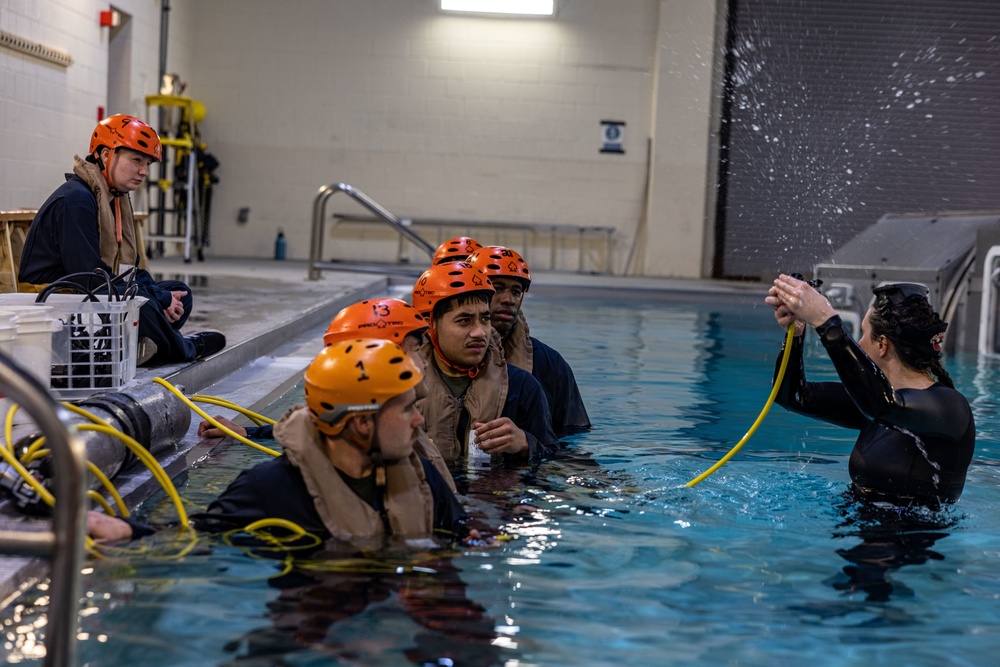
[[46, 53]]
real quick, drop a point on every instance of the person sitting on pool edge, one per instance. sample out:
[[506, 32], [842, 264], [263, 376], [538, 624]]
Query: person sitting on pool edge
[[470, 388], [348, 470], [917, 431], [87, 224], [511, 279], [384, 318]]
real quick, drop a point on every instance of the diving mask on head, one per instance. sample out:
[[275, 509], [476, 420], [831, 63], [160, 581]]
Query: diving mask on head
[[896, 293]]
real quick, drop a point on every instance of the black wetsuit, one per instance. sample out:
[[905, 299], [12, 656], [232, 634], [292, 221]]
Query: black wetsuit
[[915, 445]]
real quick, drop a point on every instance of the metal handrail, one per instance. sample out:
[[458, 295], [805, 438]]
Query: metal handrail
[[64, 543], [319, 215]]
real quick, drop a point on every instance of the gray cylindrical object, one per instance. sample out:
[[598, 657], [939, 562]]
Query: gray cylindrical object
[[150, 414]]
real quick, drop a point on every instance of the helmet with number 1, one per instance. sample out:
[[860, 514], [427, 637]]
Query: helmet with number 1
[[455, 250], [355, 377], [122, 131], [443, 281], [388, 319], [496, 260]]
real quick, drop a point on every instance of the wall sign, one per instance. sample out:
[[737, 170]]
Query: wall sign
[[613, 136]]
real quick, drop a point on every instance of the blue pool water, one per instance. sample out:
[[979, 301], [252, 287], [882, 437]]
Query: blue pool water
[[612, 561]]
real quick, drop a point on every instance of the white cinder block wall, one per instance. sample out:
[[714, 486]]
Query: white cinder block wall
[[47, 111], [430, 114]]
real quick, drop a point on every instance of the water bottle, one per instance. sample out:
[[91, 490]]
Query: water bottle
[[279, 244]]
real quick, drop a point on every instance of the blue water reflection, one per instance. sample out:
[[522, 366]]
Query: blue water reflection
[[611, 560]]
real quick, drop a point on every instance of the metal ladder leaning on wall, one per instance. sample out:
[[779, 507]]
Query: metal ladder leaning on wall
[[64, 543]]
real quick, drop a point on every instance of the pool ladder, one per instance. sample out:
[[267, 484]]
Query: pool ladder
[[316, 266], [63, 544]]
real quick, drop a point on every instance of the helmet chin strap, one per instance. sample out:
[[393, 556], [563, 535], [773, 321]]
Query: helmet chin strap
[[471, 371], [106, 172], [375, 452]]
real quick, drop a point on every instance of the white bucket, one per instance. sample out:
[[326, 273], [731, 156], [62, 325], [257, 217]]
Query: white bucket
[[32, 348], [8, 333]]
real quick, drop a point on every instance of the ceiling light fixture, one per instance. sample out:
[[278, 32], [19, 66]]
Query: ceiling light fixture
[[509, 7]]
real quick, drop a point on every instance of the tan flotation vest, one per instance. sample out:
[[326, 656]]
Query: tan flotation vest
[[409, 503], [484, 401], [428, 450], [517, 346], [130, 250]]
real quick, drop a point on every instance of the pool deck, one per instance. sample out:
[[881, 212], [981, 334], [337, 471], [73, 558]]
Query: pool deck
[[274, 319]]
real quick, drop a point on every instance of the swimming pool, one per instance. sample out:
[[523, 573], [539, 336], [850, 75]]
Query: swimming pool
[[612, 561]]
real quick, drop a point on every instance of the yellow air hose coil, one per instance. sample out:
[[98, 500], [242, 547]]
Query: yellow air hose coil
[[760, 418]]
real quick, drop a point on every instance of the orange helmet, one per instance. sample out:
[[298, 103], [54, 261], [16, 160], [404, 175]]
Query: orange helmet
[[496, 260], [121, 131], [446, 280], [388, 319], [455, 250], [355, 377]]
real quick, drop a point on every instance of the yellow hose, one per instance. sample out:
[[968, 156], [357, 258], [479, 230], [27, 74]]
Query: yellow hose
[[257, 419], [42, 492], [94, 470], [150, 462], [29, 454], [8, 427], [99, 474], [212, 421], [760, 418], [99, 499]]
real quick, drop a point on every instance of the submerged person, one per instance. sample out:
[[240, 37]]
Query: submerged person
[[348, 470], [917, 431], [87, 224], [511, 278]]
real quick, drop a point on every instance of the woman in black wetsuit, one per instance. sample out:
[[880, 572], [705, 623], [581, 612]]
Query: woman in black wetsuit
[[917, 431]]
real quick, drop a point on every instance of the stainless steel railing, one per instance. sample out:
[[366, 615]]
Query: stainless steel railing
[[319, 217], [64, 543]]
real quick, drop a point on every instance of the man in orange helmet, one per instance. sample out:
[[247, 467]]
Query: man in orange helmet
[[477, 405], [384, 318], [455, 250], [510, 276], [87, 224], [348, 469]]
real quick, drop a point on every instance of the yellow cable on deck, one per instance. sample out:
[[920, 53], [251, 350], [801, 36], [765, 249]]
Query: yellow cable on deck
[[212, 421], [763, 413], [226, 403]]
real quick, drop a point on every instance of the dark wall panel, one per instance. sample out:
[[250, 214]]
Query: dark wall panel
[[839, 111]]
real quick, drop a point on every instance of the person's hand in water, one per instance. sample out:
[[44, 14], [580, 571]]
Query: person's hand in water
[[103, 528], [796, 300]]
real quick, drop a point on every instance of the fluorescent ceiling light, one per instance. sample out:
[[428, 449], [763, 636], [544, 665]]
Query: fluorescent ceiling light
[[521, 7]]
